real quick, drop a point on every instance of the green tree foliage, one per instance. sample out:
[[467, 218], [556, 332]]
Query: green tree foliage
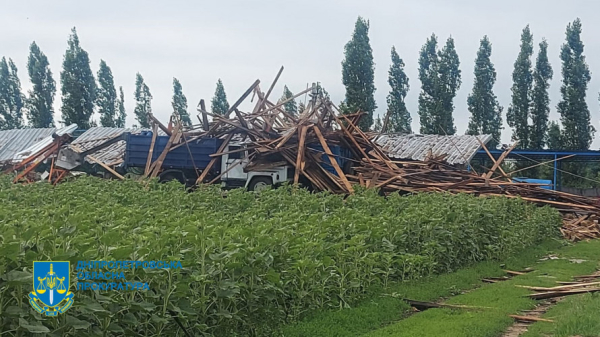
[[518, 111], [120, 121], [143, 100], [399, 117], [106, 96], [486, 112], [440, 80], [301, 107], [40, 111], [358, 74], [290, 107], [449, 83], [540, 99], [180, 103], [11, 97], [78, 85], [553, 138], [377, 126], [575, 116], [219, 104], [428, 65]]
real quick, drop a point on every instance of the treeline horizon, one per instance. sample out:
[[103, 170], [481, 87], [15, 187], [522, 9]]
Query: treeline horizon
[[83, 95]]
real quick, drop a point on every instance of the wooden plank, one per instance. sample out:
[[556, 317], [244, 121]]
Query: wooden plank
[[290, 134], [241, 99], [157, 165], [500, 160], [160, 125], [332, 159], [561, 288], [301, 147], [530, 319], [490, 155], [282, 103], [214, 160], [553, 294], [106, 167], [205, 125], [150, 152], [361, 180]]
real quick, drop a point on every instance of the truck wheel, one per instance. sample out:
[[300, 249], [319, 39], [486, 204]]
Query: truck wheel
[[169, 176], [260, 183]]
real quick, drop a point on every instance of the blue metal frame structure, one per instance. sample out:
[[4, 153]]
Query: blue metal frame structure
[[543, 155]]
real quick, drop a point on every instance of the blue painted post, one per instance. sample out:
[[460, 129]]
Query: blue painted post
[[555, 163]]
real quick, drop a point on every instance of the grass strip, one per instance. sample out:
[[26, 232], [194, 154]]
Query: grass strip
[[504, 299], [380, 309]]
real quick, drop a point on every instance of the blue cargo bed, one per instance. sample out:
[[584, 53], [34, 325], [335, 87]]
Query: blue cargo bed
[[138, 147]]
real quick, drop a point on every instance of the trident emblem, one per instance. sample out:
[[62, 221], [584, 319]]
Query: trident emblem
[[51, 279]]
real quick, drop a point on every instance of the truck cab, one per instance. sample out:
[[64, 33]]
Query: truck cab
[[234, 164]]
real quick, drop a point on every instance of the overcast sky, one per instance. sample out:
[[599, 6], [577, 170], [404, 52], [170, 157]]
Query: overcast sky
[[239, 41]]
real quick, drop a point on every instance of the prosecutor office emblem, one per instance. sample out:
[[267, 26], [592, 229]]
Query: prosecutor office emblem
[[51, 295]]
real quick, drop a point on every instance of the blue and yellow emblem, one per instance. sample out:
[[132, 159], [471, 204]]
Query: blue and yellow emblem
[[51, 295]]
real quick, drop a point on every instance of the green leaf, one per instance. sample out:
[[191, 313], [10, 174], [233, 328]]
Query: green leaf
[[76, 323], [33, 327]]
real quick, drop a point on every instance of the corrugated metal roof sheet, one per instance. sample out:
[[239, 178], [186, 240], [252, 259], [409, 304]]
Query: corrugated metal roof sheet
[[14, 141], [459, 149], [111, 155], [38, 146]]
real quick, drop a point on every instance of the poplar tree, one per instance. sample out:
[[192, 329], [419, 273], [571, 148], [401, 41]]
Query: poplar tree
[[120, 121], [11, 97], [78, 85], [554, 138], [449, 82], [219, 104], [377, 126], [106, 96], [143, 100], [180, 103], [289, 107], [540, 98], [358, 74], [486, 112], [399, 117], [301, 107], [428, 75], [518, 111], [440, 80], [577, 131], [40, 112]]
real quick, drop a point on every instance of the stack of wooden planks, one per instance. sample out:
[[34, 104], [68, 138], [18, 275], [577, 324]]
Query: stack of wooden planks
[[590, 284], [582, 227]]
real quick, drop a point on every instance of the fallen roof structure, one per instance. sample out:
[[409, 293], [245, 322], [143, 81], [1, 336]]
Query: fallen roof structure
[[96, 136], [457, 149], [17, 140], [37, 146]]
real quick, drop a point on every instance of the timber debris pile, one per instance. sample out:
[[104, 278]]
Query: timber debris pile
[[310, 144]]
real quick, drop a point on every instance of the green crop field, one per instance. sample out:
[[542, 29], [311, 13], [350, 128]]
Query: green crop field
[[251, 262]]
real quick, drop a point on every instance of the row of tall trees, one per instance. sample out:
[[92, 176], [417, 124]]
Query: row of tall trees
[[82, 93], [440, 77]]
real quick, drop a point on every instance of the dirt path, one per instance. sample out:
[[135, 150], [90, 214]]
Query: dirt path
[[519, 328]]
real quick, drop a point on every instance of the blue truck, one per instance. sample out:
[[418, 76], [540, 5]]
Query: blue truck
[[181, 166]]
